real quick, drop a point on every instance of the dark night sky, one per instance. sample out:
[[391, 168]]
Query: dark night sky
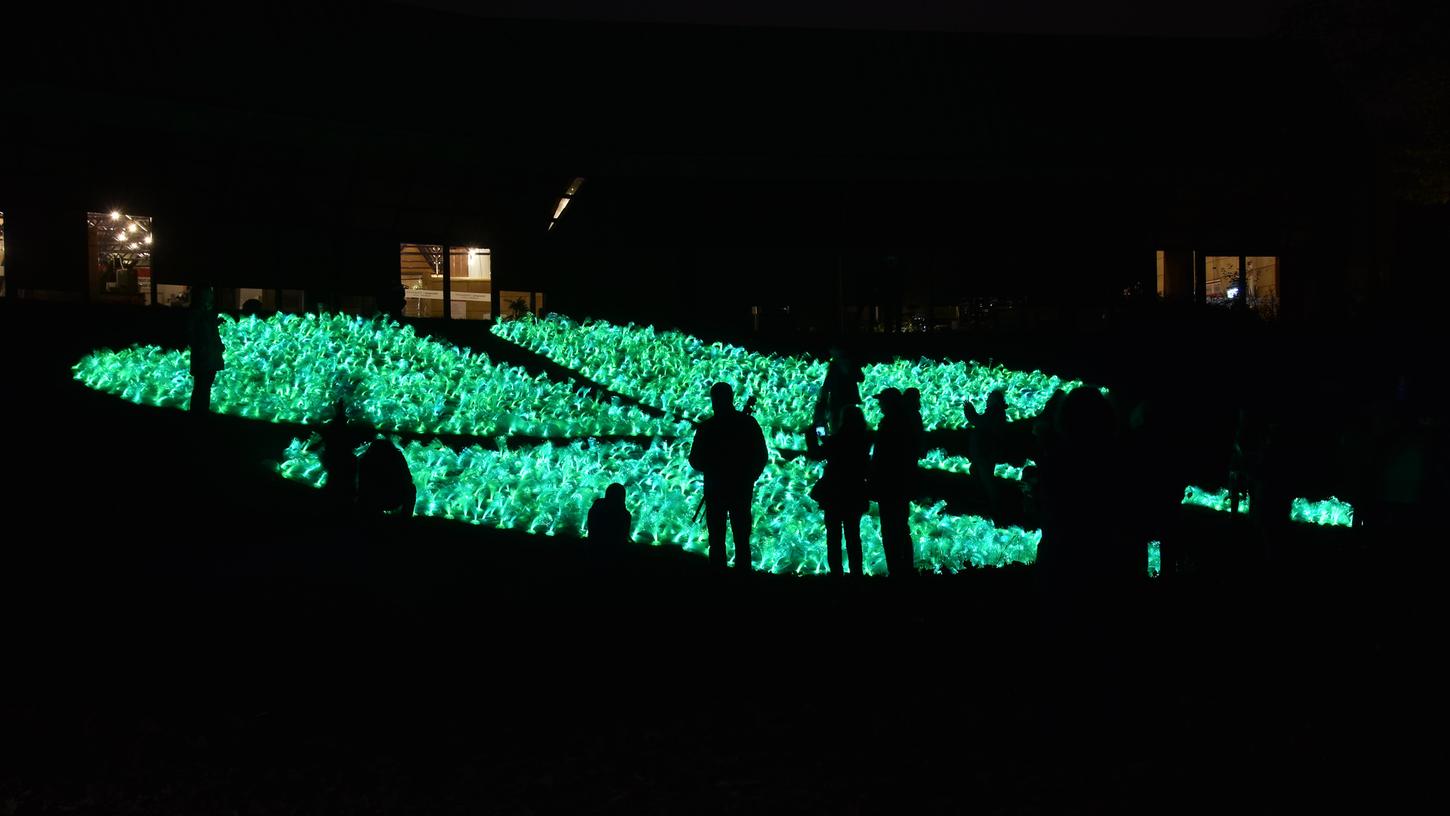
[[1207, 18]]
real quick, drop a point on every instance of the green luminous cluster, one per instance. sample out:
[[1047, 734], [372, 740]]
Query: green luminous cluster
[[1219, 500], [939, 459], [673, 371], [293, 368], [1330, 512], [546, 488], [1155, 559]]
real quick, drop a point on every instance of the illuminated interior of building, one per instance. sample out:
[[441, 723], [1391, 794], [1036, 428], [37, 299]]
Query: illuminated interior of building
[[468, 291], [118, 252]]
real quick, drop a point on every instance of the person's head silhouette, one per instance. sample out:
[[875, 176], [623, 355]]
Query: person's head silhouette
[[614, 494], [890, 399], [722, 398], [997, 402]]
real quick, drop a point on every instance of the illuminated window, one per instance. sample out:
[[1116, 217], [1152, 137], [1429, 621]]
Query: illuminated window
[[518, 304], [1261, 274], [1160, 273], [421, 270], [471, 272], [118, 252]]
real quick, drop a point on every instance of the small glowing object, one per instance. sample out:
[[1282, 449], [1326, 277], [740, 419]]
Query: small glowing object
[[147, 239], [1233, 292], [121, 236], [115, 215], [559, 208], [132, 226], [1155, 559]]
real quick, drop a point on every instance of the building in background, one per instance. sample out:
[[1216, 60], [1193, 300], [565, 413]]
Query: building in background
[[832, 179]]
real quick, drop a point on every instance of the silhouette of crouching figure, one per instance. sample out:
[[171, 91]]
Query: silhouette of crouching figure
[[384, 482], [609, 520]]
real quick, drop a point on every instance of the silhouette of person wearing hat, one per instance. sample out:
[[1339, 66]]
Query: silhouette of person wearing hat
[[729, 449], [893, 480]]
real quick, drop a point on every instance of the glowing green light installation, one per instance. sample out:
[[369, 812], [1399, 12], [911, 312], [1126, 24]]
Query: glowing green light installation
[[292, 368], [1219, 500], [672, 371], [1155, 559], [1330, 512], [548, 489]]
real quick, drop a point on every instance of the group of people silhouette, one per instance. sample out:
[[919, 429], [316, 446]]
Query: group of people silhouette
[[1102, 486]]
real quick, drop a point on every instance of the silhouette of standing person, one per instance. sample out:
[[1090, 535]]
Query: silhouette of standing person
[[839, 392], [609, 520], [1089, 567], [986, 444], [206, 348], [729, 449], [384, 482], [893, 481], [841, 491]]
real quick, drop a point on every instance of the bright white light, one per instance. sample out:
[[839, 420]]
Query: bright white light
[[559, 208], [121, 236], [132, 226], [115, 215], [147, 239], [1233, 292]]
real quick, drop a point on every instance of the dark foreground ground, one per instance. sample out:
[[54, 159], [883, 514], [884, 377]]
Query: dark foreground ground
[[183, 632]]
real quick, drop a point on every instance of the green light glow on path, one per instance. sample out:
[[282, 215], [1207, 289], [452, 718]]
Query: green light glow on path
[[673, 371], [548, 489], [292, 368]]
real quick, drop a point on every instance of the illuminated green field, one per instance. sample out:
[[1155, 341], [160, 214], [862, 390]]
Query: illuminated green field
[[673, 371], [291, 368], [548, 488]]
